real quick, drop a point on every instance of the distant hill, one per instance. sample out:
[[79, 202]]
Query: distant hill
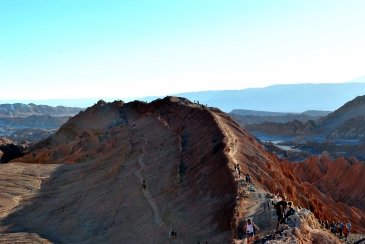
[[29, 122], [342, 132], [350, 116], [25, 110], [34, 121], [347, 122], [245, 112], [282, 98], [316, 113], [248, 117]]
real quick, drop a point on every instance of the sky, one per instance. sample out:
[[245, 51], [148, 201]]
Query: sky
[[132, 48]]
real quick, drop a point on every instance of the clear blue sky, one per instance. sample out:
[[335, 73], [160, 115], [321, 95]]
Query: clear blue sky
[[105, 48]]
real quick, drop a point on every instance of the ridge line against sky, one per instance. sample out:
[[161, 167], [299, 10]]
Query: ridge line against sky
[[89, 48]]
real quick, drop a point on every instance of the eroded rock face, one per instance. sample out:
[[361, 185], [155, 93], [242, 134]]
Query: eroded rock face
[[303, 227], [339, 178], [137, 172]]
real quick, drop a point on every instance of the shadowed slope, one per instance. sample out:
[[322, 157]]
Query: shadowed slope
[[189, 189]]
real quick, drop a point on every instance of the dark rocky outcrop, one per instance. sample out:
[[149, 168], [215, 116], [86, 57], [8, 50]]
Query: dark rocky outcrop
[[9, 150]]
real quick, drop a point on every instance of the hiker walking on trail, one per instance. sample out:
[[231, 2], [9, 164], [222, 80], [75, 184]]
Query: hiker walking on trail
[[280, 206], [144, 186], [333, 227], [347, 229], [237, 169], [250, 229], [340, 228], [267, 204], [248, 178]]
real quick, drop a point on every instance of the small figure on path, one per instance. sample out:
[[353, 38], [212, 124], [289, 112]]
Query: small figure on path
[[144, 185]]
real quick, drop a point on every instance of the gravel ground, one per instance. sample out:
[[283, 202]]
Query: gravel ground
[[354, 239]]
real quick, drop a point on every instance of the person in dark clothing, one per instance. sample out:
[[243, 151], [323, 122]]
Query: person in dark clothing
[[144, 186], [248, 178], [289, 210], [280, 206]]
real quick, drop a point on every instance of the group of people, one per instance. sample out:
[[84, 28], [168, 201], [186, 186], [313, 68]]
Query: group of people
[[340, 229], [238, 170], [283, 210]]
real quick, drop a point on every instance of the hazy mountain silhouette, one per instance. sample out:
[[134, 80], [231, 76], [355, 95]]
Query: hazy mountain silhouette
[[282, 98], [279, 98], [247, 117]]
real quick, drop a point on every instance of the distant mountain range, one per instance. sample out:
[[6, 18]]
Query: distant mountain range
[[310, 113], [247, 117], [280, 98], [30, 122], [25, 110]]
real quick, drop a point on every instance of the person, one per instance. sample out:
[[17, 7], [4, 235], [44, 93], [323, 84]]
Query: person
[[341, 227], [248, 178], [327, 225], [347, 229], [338, 229], [144, 185], [237, 169], [333, 227], [280, 206], [289, 210], [345, 232], [250, 228], [173, 235]]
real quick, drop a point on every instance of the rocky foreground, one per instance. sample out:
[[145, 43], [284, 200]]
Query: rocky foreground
[[160, 172]]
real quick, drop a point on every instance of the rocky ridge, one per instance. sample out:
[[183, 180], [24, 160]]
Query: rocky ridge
[[141, 171]]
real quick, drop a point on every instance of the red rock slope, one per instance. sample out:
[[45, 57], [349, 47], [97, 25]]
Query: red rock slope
[[184, 152]]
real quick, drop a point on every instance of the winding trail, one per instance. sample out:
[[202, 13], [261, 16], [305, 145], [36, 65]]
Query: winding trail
[[156, 215], [146, 192], [250, 204]]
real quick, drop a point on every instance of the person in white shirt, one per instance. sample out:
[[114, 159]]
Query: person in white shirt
[[250, 229]]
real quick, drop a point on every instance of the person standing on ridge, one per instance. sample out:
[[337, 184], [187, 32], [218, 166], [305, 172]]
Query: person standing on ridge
[[280, 206]]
